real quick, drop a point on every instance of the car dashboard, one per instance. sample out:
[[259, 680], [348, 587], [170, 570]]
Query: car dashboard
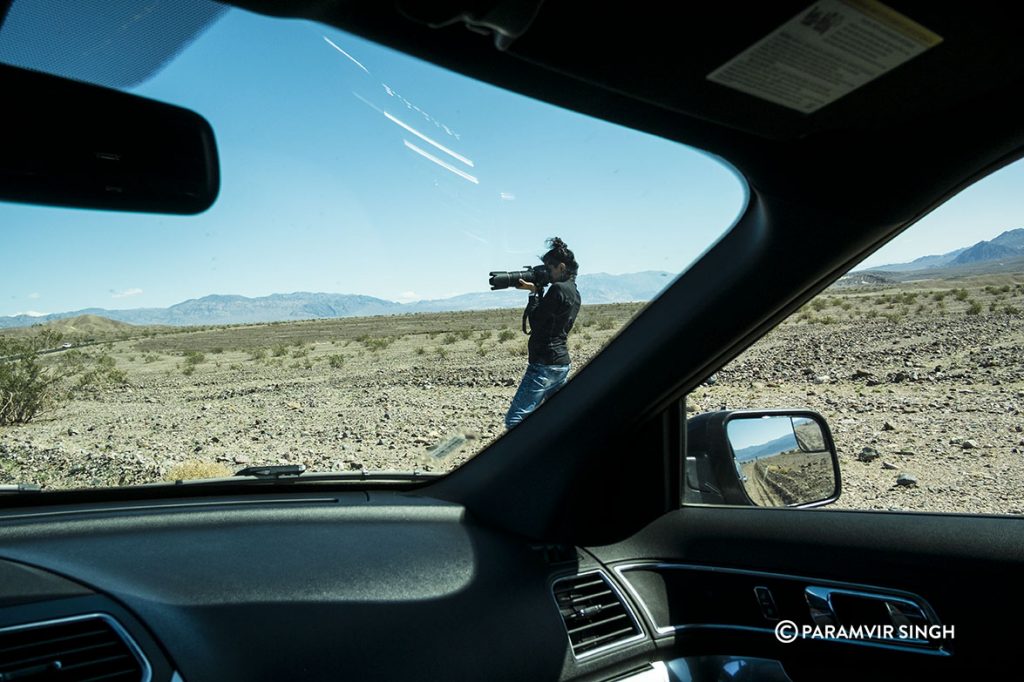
[[374, 585], [363, 585]]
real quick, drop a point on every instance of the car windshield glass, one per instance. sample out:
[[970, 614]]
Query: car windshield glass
[[333, 307]]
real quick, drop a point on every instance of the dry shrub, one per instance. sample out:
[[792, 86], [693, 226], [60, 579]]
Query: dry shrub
[[194, 468]]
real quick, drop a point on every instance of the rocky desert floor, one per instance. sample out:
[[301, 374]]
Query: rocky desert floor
[[922, 385]]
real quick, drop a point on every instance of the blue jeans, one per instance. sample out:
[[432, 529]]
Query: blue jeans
[[538, 384]]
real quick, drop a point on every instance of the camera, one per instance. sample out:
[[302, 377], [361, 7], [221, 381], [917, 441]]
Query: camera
[[538, 274]]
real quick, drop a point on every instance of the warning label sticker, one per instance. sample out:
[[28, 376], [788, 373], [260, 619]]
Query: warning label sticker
[[825, 52]]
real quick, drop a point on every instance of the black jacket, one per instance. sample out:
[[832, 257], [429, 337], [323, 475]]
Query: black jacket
[[551, 317]]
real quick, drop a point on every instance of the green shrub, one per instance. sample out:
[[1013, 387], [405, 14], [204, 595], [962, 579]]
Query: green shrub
[[974, 308], [102, 373], [257, 354], [449, 339], [505, 334], [606, 323], [280, 350], [27, 388], [336, 361], [377, 344], [960, 294], [194, 357]]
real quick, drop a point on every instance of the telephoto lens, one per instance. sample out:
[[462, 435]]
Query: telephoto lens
[[501, 279]]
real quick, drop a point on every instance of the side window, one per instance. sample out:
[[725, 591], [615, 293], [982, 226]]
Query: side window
[[915, 360]]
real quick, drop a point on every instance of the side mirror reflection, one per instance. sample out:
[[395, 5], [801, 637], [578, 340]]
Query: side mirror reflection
[[781, 460], [767, 458]]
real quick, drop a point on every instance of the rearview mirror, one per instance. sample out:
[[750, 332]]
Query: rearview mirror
[[72, 144], [776, 458]]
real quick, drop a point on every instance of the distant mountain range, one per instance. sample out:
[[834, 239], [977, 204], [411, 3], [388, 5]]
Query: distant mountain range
[[781, 444], [1004, 253], [230, 309], [1009, 244]]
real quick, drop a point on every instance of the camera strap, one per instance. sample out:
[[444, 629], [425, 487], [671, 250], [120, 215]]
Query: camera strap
[[526, 311]]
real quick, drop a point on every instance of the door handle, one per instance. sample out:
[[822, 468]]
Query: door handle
[[901, 610]]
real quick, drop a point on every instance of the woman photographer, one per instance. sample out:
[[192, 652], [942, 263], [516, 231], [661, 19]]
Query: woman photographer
[[551, 315]]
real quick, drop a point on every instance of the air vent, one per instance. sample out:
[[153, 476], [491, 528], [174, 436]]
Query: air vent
[[596, 617], [71, 650]]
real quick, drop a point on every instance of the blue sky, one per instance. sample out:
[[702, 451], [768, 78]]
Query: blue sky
[[744, 433], [349, 168], [984, 210], [332, 180]]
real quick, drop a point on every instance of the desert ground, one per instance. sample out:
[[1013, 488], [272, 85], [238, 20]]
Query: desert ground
[[922, 385]]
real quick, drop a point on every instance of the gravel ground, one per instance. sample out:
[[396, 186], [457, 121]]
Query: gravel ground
[[936, 399], [387, 409]]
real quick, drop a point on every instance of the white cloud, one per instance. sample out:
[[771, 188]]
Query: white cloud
[[29, 313], [125, 293], [408, 297], [34, 295], [474, 236], [508, 196]]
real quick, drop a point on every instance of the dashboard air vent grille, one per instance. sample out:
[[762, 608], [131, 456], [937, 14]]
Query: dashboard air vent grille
[[72, 650], [595, 615]]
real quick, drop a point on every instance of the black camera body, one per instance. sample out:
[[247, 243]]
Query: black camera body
[[538, 274]]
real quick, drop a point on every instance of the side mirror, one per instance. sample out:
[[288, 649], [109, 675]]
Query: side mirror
[[67, 143], [765, 458]]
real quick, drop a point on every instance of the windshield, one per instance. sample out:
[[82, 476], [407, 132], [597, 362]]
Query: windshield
[[333, 308]]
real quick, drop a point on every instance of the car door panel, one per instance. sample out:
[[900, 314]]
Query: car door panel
[[695, 571]]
